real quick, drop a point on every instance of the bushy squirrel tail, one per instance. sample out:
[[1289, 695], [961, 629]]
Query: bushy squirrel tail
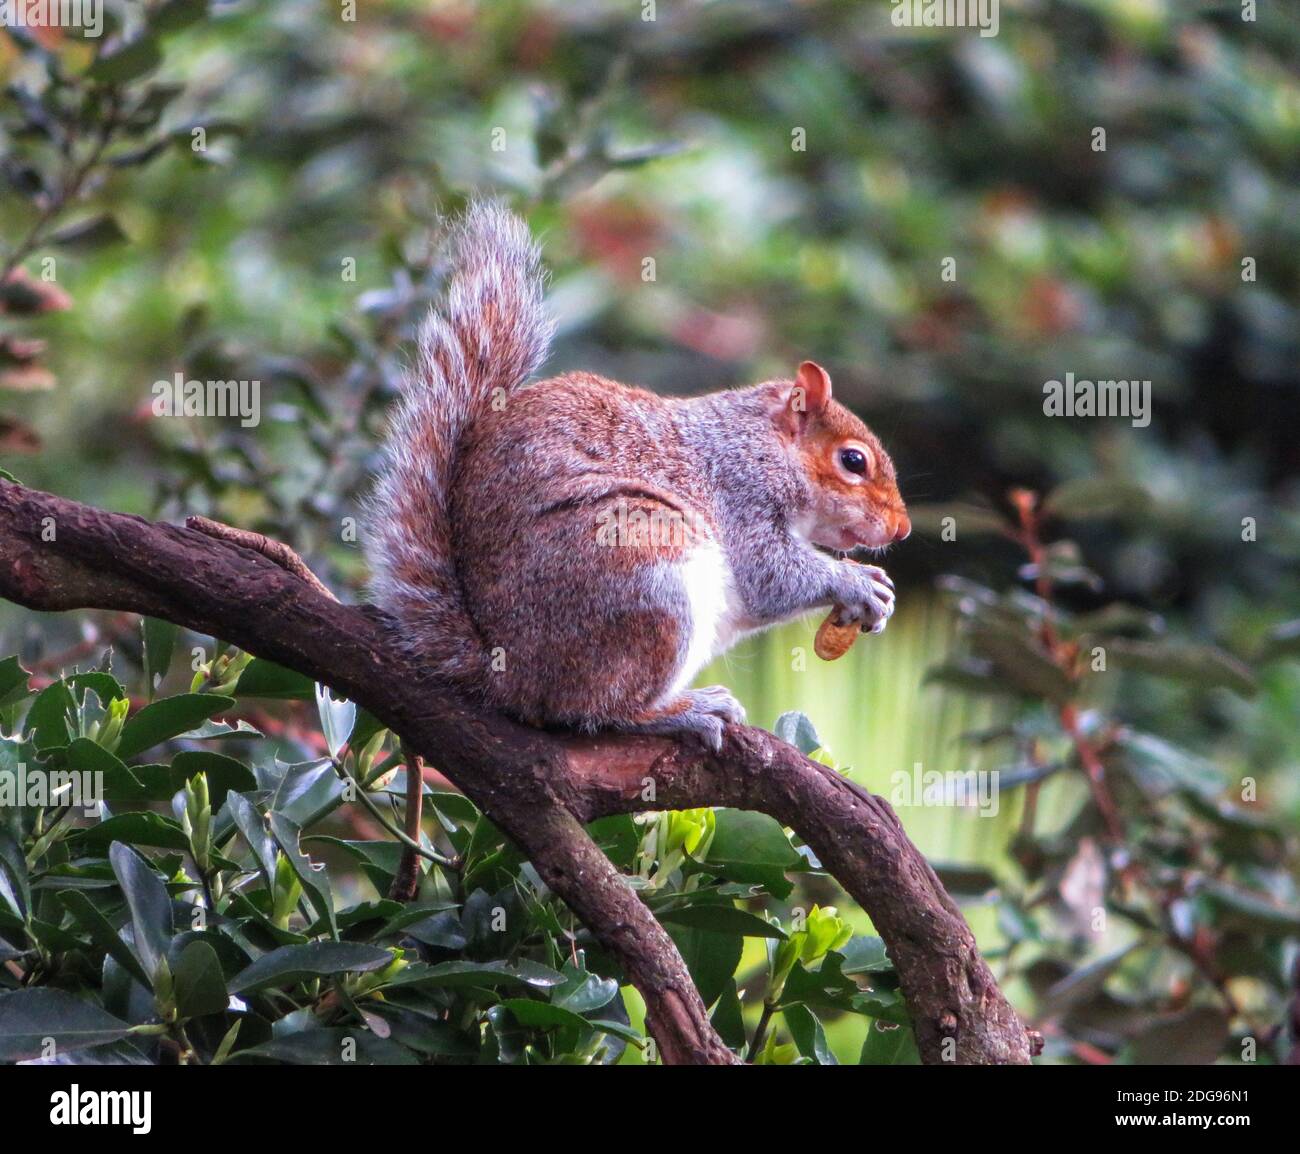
[[489, 334]]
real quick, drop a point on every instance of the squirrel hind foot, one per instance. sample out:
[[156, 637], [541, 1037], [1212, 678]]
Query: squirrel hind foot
[[699, 713]]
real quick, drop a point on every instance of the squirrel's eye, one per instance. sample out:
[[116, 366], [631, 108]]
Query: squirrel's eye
[[854, 460]]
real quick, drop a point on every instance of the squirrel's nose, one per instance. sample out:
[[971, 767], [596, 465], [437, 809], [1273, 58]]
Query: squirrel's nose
[[902, 527]]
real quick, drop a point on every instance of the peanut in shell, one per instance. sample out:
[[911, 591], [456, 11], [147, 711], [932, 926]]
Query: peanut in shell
[[834, 640]]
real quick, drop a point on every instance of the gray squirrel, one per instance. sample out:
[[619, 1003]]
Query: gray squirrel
[[574, 551]]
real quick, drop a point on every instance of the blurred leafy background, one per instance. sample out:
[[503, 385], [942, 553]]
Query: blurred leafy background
[[297, 246]]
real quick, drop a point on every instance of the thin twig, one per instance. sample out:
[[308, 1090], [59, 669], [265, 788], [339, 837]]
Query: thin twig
[[411, 844], [760, 1032], [406, 882], [1030, 539], [68, 192]]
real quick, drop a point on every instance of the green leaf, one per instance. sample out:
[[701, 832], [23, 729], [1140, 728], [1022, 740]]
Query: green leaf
[[142, 828], [1086, 498], [29, 1017], [965, 880], [15, 888], [711, 958], [102, 933], [969, 675], [1202, 665], [442, 930], [49, 718], [134, 157], [336, 720], [808, 1035], [382, 911], [13, 681], [1016, 923], [1196, 1037], [412, 913], [199, 985], [159, 645], [798, 730], [583, 993], [95, 232], [159, 782], [1117, 620], [436, 1038], [248, 820], [168, 718], [55, 938], [329, 1046], [1281, 641], [618, 837], [1243, 909], [752, 847], [1159, 767], [174, 15], [132, 59], [314, 878], [225, 774], [86, 756], [885, 1005], [487, 975], [148, 902], [213, 729], [728, 1016], [266, 679], [721, 919], [1020, 661], [825, 987], [543, 1015], [290, 965], [889, 1044], [864, 955], [364, 728], [1083, 983]]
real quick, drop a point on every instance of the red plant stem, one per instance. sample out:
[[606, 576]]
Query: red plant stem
[[1096, 771], [1031, 541]]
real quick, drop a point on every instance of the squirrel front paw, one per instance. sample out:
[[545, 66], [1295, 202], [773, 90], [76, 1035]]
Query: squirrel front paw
[[717, 701], [871, 602], [702, 713]]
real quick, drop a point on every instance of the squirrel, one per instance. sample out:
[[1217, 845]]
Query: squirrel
[[572, 552]]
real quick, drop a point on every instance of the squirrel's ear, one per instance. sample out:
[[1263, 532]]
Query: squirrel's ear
[[811, 392]]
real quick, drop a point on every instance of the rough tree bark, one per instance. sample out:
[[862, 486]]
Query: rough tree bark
[[539, 788]]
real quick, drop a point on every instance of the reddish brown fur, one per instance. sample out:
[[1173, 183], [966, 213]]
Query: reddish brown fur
[[514, 529]]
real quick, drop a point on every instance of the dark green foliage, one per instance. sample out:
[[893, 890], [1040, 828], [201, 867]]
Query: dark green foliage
[[236, 920], [1160, 923]]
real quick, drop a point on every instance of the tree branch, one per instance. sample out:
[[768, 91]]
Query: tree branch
[[538, 788]]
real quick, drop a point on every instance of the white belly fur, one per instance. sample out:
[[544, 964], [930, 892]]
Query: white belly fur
[[711, 594]]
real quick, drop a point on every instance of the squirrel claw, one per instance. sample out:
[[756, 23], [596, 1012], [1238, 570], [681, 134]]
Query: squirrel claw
[[700, 713], [719, 701], [874, 602]]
